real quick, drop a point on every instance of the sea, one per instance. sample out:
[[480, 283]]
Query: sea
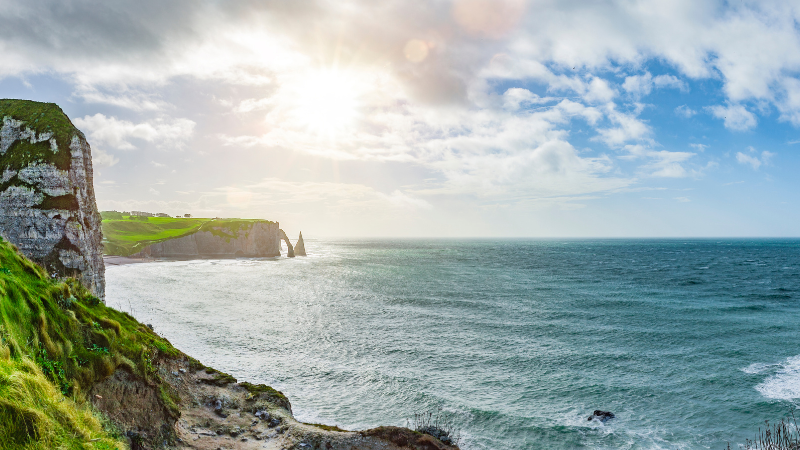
[[691, 343]]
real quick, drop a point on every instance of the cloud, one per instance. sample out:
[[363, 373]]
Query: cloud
[[736, 117], [660, 163], [628, 128], [685, 112], [699, 147], [638, 85], [115, 133], [754, 161], [272, 193]]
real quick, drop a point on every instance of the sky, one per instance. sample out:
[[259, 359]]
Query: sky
[[457, 118]]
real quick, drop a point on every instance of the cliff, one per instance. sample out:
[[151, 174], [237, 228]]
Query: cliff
[[47, 201], [67, 360], [221, 239]]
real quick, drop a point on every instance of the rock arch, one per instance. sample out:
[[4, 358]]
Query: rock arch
[[290, 249]]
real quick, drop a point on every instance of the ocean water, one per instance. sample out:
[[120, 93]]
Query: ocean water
[[691, 343]]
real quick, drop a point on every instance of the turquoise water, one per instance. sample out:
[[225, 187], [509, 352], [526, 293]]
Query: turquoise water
[[691, 343]]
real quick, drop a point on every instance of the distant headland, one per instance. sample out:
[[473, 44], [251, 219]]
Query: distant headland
[[141, 234]]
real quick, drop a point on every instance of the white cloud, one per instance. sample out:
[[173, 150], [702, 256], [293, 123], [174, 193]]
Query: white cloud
[[699, 147], [736, 117], [641, 85], [754, 161], [628, 128], [660, 163], [669, 81], [599, 91], [115, 133], [685, 112], [638, 85], [515, 98]]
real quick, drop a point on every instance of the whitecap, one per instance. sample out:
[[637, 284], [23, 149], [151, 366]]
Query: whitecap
[[758, 368], [784, 384]]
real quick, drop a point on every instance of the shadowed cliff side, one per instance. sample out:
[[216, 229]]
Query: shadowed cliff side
[[47, 202], [300, 246]]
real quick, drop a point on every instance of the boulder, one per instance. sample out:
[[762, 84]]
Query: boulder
[[602, 416]]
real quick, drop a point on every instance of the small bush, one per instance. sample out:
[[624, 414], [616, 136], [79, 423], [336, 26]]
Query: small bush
[[436, 424], [784, 435]]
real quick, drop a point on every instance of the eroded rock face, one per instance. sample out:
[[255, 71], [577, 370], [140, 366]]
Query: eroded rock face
[[260, 240], [300, 246], [47, 201]]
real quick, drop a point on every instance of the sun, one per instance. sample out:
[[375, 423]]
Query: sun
[[326, 101]]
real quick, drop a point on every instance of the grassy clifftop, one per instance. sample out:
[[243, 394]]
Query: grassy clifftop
[[56, 341], [125, 235]]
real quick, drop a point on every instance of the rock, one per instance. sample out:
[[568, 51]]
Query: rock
[[182, 370], [300, 246], [274, 422], [602, 416], [218, 409], [289, 248], [47, 202], [263, 415]]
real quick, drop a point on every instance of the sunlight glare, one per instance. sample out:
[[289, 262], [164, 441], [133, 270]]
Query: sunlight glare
[[327, 101]]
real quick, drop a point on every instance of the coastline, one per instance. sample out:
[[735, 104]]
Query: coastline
[[123, 260]]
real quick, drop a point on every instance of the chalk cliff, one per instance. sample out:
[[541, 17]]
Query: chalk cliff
[[47, 201], [300, 246], [260, 239]]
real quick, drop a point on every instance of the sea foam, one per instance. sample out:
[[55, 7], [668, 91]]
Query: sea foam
[[784, 384]]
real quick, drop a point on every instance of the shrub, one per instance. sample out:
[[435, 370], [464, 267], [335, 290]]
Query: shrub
[[436, 424], [784, 435]]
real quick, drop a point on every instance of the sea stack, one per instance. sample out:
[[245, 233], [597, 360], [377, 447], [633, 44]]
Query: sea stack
[[300, 247], [47, 202]]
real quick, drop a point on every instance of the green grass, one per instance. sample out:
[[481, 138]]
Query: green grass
[[56, 341], [126, 235]]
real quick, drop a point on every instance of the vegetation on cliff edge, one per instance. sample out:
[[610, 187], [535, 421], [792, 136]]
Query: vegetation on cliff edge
[[56, 341]]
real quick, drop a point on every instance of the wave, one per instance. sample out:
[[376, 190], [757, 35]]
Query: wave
[[784, 384]]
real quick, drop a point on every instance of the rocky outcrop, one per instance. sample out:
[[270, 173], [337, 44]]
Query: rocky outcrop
[[47, 201], [261, 239], [300, 246], [289, 248], [602, 416]]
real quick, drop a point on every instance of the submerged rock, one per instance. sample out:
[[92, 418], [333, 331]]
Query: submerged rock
[[300, 246]]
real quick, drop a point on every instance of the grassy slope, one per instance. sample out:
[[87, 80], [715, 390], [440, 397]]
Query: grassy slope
[[56, 341], [129, 235]]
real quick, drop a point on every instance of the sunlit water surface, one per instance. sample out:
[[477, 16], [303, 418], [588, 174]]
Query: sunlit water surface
[[692, 343]]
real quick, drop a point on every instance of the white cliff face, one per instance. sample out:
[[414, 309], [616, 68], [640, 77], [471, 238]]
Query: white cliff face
[[47, 201], [259, 240]]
